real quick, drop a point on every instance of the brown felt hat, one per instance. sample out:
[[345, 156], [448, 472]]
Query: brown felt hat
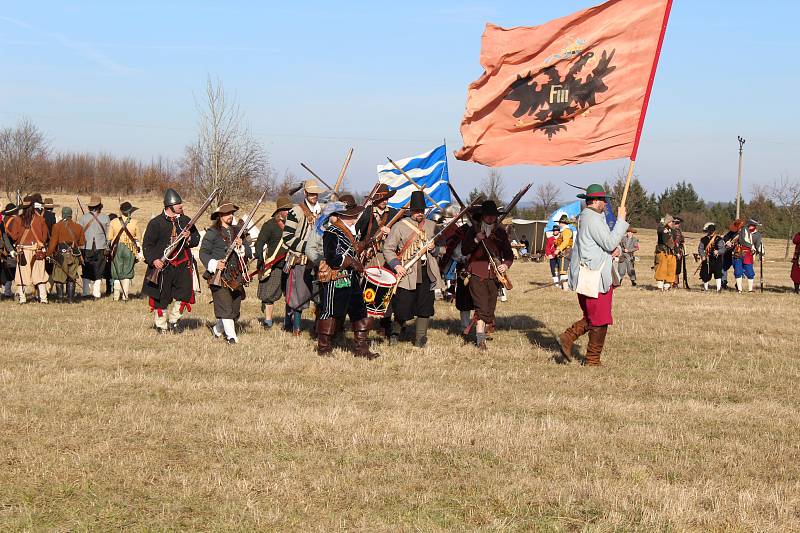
[[224, 209], [284, 203], [351, 209], [95, 201], [48, 203], [632, 230], [382, 193]]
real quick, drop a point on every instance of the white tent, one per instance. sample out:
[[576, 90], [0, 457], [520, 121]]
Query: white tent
[[533, 230]]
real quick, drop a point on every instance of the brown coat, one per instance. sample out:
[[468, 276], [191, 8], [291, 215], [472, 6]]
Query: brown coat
[[61, 233], [498, 245], [394, 244], [39, 232]]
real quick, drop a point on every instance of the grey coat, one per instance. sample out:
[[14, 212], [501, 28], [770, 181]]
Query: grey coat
[[95, 233], [393, 245], [594, 243]]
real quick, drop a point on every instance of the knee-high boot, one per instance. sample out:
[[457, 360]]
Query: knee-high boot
[[597, 338], [361, 333], [421, 331], [568, 338], [325, 330]]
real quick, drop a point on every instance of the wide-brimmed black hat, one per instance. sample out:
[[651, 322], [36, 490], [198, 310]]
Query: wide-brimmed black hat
[[417, 202], [564, 219], [489, 208], [126, 208], [556, 228], [10, 209]]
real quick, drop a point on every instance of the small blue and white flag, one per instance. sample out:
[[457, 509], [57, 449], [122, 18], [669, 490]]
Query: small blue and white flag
[[429, 170]]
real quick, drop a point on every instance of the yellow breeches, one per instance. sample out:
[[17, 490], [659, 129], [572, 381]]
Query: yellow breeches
[[666, 266]]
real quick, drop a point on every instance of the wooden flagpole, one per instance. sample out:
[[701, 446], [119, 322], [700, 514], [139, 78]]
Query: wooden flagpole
[[644, 106]]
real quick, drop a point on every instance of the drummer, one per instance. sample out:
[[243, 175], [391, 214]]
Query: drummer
[[374, 227], [339, 275]]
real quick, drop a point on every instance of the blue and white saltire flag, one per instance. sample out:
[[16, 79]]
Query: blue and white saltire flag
[[572, 210], [429, 170]]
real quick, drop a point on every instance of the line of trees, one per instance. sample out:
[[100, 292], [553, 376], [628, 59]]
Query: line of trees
[[776, 206], [225, 155]]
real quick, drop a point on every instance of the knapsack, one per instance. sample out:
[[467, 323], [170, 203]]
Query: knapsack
[[314, 251]]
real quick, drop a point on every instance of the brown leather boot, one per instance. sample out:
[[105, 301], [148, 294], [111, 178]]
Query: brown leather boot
[[361, 333], [568, 338], [597, 338], [325, 330]]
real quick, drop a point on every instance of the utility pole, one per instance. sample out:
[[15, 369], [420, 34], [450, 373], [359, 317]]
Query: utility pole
[[739, 189]]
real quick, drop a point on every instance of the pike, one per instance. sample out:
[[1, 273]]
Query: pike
[[152, 277], [216, 279], [340, 179], [761, 265], [322, 181]]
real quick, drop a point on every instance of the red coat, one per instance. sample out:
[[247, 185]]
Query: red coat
[[550, 247], [796, 259]]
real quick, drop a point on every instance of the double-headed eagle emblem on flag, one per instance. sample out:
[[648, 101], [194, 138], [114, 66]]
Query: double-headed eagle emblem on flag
[[559, 100]]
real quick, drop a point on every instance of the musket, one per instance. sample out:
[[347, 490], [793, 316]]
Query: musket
[[152, 277], [258, 271], [83, 211], [424, 249], [216, 279], [342, 172], [56, 263], [502, 278], [322, 181], [251, 225], [371, 244]]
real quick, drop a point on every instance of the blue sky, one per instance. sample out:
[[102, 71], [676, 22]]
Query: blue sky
[[387, 78]]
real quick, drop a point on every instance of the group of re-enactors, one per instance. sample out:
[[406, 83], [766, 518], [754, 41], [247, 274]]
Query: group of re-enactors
[[315, 255], [41, 255]]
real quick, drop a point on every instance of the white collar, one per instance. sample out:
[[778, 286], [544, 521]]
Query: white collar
[[315, 209]]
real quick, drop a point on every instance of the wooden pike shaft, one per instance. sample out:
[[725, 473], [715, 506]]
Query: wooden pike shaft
[[322, 181], [627, 183], [342, 172], [414, 183]]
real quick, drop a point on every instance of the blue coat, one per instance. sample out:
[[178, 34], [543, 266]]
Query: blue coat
[[594, 243]]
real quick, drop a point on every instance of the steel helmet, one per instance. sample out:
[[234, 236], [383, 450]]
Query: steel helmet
[[171, 197]]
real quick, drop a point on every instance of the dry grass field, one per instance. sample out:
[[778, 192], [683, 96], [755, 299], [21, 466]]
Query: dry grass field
[[692, 424]]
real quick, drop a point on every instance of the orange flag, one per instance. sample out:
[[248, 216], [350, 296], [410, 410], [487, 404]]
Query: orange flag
[[570, 91]]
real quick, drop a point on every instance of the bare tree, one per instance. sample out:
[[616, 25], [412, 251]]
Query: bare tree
[[547, 196], [23, 156], [225, 155], [493, 186], [786, 194]]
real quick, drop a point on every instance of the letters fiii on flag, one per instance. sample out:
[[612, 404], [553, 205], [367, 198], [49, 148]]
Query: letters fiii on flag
[[428, 170], [570, 91]]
